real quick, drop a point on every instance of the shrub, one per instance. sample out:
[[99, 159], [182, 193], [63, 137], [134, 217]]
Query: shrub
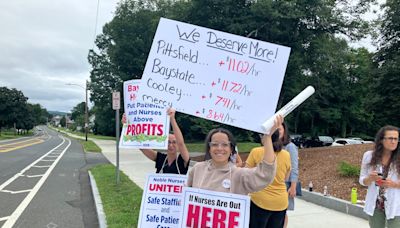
[[348, 170]]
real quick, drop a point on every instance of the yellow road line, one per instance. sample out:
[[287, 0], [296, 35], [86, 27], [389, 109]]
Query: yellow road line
[[19, 147], [6, 144]]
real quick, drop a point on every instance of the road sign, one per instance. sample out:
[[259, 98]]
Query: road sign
[[116, 98]]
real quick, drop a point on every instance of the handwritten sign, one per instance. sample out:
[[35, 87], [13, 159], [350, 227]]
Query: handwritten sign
[[162, 201], [203, 208], [214, 75], [147, 124]]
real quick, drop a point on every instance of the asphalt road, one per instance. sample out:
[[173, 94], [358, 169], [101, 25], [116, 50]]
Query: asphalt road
[[46, 184]]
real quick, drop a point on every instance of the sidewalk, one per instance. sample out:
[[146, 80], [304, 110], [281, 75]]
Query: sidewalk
[[306, 215]]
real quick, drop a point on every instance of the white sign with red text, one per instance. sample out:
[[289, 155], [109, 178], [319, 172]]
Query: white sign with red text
[[214, 75], [203, 208], [147, 125], [162, 201]]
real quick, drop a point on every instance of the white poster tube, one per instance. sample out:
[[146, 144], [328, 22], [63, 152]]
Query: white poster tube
[[289, 107]]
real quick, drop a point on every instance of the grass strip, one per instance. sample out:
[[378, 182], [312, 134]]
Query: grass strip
[[90, 146], [11, 135], [82, 134], [121, 203], [91, 135]]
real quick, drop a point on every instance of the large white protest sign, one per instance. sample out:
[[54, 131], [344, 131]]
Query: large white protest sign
[[147, 124], [214, 75], [203, 208], [162, 201]]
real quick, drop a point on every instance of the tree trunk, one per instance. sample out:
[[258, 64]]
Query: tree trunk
[[343, 128], [296, 121]]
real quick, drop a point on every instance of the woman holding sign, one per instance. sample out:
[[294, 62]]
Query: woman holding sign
[[170, 162], [221, 174]]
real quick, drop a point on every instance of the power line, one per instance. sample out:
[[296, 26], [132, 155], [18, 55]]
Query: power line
[[95, 26]]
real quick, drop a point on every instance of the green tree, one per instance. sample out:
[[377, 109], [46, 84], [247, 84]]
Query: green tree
[[63, 121], [13, 107], [387, 105], [310, 28], [123, 49], [39, 114], [78, 110], [78, 116]]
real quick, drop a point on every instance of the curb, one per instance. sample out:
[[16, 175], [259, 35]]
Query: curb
[[334, 203], [101, 216]]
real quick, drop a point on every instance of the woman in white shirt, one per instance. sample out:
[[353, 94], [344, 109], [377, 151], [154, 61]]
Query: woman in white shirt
[[380, 171]]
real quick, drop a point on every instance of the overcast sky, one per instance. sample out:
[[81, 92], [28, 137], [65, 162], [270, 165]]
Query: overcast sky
[[44, 45]]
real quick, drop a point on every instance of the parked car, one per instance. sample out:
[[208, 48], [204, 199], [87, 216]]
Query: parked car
[[362, 140], [358, 139], [298, 140], [318, 141], [344, 142]]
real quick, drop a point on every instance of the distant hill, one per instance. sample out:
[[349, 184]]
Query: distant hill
[[54, 113]]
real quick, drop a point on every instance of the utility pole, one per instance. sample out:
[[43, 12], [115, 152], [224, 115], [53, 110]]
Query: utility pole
[[86, 88], [86, 111]]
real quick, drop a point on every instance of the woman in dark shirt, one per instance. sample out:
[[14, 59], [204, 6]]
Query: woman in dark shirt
[[172, 161]]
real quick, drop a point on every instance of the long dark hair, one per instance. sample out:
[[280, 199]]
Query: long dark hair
[[378, 149], [285, 138], [231, 138], [276, 141]]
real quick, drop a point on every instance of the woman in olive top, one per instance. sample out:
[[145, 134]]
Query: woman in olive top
[[220, 174], [268, 206]]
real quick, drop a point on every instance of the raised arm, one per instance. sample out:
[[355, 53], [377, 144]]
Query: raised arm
[[179, 137], [269, 154], [150, 154]]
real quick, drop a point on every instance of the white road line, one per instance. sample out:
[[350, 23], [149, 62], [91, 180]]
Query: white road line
[[15, 215], [31, 176], [44, 160], [16, 192], [4, 218], [41, 166], [28, 167]]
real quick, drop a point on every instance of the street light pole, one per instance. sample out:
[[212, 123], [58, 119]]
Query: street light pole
[[86, 105], [86, 111]]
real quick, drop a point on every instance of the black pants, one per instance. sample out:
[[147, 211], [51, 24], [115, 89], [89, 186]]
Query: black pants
[[261, 218]]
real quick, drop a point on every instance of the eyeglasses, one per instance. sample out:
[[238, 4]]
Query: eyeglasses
[[391, 139], [172, 142], [217, 144]]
